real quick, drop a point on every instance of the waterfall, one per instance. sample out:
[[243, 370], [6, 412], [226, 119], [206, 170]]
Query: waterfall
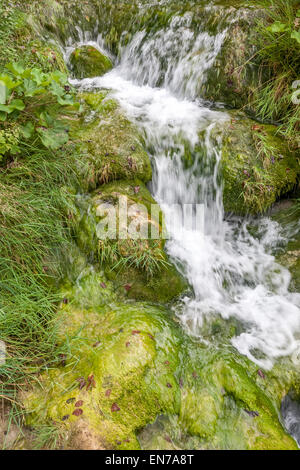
[[232, 274]]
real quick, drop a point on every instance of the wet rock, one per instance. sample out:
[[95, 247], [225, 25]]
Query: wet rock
[[88, 62], [193, 407]]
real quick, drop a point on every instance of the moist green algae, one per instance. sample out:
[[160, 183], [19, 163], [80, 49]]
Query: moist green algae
[[126, 364], [108, 142], [257, 166], [88, 62]]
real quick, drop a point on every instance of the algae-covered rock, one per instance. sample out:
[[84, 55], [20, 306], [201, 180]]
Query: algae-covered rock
[[120, 227], [88, 62], [109, 143], [123, 365], [288, 254], [236, 74], [257, 166]]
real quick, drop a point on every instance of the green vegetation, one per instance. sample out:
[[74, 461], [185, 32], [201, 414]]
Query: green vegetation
[[35, 202], [279, 49], [29, 103]]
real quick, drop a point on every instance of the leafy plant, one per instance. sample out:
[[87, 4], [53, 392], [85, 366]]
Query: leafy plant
[[34, 99]]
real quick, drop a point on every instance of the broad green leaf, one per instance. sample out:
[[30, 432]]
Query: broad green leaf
[[59, 77], [66, 100], [27, 130], [296, 35], [298, 14], [10, 84], [278, 27], [14, 149], [38, 76], [56, 89], [53, 139], [17, 104], [45, 119], [3, 92], [15, 68], [6, 108], [32, 89], [14, 105], [3, 116]]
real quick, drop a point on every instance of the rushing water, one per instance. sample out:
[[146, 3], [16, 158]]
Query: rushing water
[[233, 274]]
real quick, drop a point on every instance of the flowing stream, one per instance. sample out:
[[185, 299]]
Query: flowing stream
[[232, 274]]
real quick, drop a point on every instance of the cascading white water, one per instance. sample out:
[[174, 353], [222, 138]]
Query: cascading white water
[[232, 274]]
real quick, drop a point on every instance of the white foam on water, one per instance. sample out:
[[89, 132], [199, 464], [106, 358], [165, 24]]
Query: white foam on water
[[232, 273]]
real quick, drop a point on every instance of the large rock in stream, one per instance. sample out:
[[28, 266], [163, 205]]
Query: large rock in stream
[[128, 365], [88, 62], [132, 250], [257, 166], [110, 146]]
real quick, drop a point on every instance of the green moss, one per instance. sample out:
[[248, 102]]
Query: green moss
[[87, 62], [110, 145], [257, 166], [143, 366]]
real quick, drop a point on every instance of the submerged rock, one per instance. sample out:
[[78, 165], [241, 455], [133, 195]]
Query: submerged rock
[[120, 228], [127, 364], [88, 62], [257, 165]]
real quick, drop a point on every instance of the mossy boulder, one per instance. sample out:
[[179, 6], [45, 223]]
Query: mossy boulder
[[123, 365], [110, 145], [288, 254], [257, 165], [88, 62], [131, 250]]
